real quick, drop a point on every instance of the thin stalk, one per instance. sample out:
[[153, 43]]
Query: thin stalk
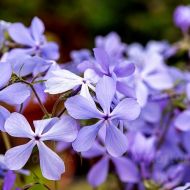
[[6, 140]]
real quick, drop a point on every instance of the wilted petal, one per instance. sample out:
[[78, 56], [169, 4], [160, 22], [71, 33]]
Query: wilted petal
[[51, 164], [17, 126], [182, 121], [159, 81], [16, 158], [5, 73], [116, 141], [15, 94], [105, 91], [86, 137], [37, 29], [64, 130], [126, 170], [99, 172], [62, 81], [127, 109], [20, 34], [81, 108]]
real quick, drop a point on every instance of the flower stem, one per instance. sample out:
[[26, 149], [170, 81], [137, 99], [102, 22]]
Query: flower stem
[[6, 140]]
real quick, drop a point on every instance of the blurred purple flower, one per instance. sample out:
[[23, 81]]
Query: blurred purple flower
[[33, 40]]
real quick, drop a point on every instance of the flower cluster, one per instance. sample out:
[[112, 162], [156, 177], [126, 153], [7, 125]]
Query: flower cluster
[[121, 104]]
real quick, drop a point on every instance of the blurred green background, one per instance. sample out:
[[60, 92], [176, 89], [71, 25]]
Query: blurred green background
[[75, 23]]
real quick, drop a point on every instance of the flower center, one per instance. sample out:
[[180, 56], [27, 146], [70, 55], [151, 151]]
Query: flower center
[[37, 138], [106, 117]]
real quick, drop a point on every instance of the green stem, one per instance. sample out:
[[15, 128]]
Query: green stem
[[6, 141], [38, 98]]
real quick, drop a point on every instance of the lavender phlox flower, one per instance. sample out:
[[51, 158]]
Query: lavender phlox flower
[[9, 92], [9, 180], [33, 40], [49, 129], [64, 80], [80, 107], [149, 74], [181, 17], [112, 44], [126, 170]]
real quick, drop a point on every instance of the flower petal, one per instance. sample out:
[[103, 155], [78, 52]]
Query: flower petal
[[86, 137], [17, 126], [182, 122], [159, 81], [4, 114], [9, 180], [16, 158], [51, 164], [62, 81], [127, 109], [20, 34], [5, 72], [81, 108], [126, 170], [37, 29], [105, 91], [15, 94], [64, 130], [100, 168], [116, 141], [141, 93]]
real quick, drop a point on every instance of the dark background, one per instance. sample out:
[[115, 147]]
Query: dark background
[[75, 23]]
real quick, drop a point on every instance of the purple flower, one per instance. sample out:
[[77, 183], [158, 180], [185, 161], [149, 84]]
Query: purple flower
[[81, 108], [64, 80], [181, 17], [9, 180], [185, 187], [51, 165], [8, 93], [126, 170], [33, 40]]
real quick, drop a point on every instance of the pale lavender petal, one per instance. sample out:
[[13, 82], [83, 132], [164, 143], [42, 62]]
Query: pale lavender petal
[[99, 172], [105, 91], [141, 93], [159, 81], [4, 114], [17, 126], [81, 108], [188, 91], [16, 158], [126, 170], [152, 112], [123, 88], [102, 58], [127, 109], [51, 164], [116, 141], [182, 122], [96, 150], [5, 73], [124, 70], [50, 51], [41, 125], [20, 34], [86, 137], [37, 29], [15, 94], [64, 130]]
